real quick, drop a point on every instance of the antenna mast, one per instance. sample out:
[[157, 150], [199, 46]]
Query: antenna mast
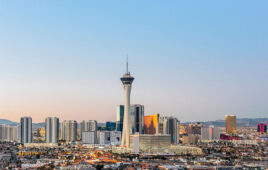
[[127, 65]]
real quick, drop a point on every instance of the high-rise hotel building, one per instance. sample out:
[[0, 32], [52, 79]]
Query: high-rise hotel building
[[52, 129], [88, 126], [230, 121], [69, 130], [210, 133], [136, 118], [170, 125], [119, 117], [151, 124], [8, 133], [26, 130], [262, 128]]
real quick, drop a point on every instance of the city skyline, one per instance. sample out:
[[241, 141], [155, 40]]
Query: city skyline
[[190, 61]]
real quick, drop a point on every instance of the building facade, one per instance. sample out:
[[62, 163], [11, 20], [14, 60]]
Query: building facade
[[190, 139], [9, 133], [89, 137], [69, 130], [26, 130], [119, 117], [109, 137], [230, 122], [170, 125], [147, 142], [110, 126], [210, 133], [151, 123], [52, 129], [195, 128], [136, 118], [262, 128], [89, 126]]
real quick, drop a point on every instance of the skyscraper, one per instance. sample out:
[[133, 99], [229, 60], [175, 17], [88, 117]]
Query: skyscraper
[[210, 133], [69, 130], [92, 125], [262, 128], [8, 133], [230, 121], [127, 80], [136, 118], [82, 128], [170, 125], [89, 126], [110, 126], [62, 131], [151, 124], [119, 117], [26, 130], [52, 129]]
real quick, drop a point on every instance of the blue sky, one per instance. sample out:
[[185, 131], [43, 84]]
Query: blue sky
[[196, 60]]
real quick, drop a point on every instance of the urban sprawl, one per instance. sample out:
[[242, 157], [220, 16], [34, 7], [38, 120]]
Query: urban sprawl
[[134, 141]]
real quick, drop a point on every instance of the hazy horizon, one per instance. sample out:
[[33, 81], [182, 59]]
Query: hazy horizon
[[196, 61], [180, 122]]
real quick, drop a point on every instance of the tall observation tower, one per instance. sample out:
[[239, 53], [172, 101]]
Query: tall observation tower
[[127, 80]]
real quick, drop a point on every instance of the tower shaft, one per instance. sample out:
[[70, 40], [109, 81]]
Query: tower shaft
[[126, 123], [127, 80]]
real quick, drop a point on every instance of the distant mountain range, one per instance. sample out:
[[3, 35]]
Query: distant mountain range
[[221, 123], [8, 122], [239, 122]]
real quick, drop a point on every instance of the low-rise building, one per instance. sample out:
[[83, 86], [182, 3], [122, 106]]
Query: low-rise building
[[190, 139], [146, 142], [109, 137], [89, 137]]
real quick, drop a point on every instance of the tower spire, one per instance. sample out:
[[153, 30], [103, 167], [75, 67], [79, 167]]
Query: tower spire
[[127, 65]]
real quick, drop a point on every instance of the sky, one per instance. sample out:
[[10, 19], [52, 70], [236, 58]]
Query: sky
[[196, 60]]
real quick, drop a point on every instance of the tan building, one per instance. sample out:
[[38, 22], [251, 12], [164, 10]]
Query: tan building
[[148, 142], [230, 123], [190, 139], [41, 145]]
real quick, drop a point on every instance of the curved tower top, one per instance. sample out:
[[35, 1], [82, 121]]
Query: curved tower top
[[127, 78]]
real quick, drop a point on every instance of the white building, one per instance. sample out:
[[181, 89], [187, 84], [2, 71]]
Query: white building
[[8, 133], [89, 137], [52, 129], [210, 133], [86, 126], [12, 133], [109, 137], [26, 130], [69, 130]]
